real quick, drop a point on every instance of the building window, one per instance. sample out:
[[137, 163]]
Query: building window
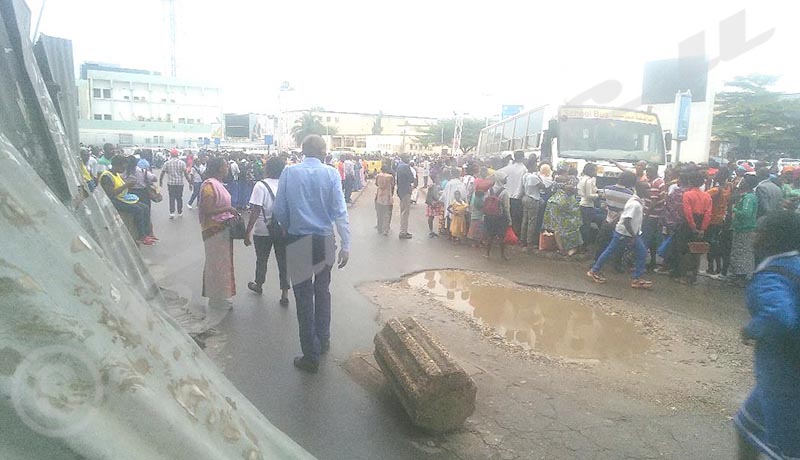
[[98, 117], [190, 121], [328, 119], [106, 117], [136, 98], [337, 119], [147, 140], [172, 101], [172, 141], [181, 120], [97, 92], [127, 98], [106, 94], [163, 100]]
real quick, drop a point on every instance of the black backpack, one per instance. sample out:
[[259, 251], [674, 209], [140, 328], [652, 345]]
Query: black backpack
[[274, 227]]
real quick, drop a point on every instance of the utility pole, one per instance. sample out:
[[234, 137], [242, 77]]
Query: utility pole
[[173, 51], [459, 126]]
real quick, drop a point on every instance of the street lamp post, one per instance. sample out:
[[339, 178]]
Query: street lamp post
[[283, 128]]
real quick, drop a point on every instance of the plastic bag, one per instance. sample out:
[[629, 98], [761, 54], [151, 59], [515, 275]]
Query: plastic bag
[[511, 237]]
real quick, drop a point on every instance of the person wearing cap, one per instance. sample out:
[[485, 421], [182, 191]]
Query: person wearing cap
[[175, 170]]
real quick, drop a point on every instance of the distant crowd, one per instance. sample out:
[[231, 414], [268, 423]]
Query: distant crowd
[[640, 218]]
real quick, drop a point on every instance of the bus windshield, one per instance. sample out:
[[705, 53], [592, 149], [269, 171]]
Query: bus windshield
[[595, 139]]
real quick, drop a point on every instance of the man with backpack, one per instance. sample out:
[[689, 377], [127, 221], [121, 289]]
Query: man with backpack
[[264, 231], [497, 214]]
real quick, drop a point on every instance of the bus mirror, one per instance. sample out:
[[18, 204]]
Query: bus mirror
[[668, 140], [552, 128]]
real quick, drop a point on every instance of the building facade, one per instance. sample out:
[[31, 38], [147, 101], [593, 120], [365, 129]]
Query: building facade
[[138, 107], [359, 131]]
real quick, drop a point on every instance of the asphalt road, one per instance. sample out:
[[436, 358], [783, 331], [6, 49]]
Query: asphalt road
[[328, 413]]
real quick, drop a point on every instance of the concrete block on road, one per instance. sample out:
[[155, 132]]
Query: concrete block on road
[[435, 391]]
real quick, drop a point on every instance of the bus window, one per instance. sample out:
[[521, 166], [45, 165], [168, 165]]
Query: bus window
[[508, 128], [520, 128]]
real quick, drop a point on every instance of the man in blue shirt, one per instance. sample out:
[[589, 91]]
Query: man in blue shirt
[[308, 202], [405, 184]]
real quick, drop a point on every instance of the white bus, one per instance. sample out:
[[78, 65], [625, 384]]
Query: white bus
[[580, 134]]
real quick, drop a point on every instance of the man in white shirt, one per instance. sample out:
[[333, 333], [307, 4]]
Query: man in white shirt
[[628, 233], [515, 173], [448, 194], [425, 169], [197, 172], [261, 227]]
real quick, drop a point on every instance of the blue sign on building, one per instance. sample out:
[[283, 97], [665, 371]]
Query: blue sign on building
[[216, 141], [683, 108], [510, 111], [269, 139]]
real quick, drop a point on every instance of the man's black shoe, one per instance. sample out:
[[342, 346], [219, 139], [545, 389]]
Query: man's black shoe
[[405, 236], [254, 287], [306, 365]]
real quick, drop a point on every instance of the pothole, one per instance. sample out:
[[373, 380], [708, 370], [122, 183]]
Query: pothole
[[546, 323]]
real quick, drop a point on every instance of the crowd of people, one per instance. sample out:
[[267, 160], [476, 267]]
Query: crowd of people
[[291, 210], [639, 219], [744, 221]]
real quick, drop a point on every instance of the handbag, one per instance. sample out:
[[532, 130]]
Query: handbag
[[154, 193], [547, 242], [237, 228]]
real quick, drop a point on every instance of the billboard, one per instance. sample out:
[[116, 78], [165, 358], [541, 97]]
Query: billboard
[[662, 79], [237, 125]]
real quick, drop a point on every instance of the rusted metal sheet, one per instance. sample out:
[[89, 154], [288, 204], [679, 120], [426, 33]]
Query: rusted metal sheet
[[54, 56]]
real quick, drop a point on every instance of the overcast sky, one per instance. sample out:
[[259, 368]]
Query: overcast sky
[[423, 57]]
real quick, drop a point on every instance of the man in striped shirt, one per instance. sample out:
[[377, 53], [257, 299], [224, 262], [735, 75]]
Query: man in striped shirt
[[615, 197], [175, 170], [654, 206]]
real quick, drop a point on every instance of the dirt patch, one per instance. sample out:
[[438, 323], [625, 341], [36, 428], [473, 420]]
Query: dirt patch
[[685, 362]]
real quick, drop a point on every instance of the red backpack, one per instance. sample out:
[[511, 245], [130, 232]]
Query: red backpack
[[491, 205]]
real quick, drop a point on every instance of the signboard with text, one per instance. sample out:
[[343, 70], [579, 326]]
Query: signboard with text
[[683, 107]]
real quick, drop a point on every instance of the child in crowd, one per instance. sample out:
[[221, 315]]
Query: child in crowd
[[458, 210]]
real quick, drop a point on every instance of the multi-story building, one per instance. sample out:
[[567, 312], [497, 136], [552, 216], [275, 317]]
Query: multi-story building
[[357, 131], [138, 107]]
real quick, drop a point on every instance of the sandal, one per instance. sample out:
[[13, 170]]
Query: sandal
[[641, 284], [596, 277]]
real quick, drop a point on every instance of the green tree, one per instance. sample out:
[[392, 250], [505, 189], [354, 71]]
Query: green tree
[[442, 132], [756, 121], [309, 124]]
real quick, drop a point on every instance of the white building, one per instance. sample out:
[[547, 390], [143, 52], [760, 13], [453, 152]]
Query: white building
[[138, 107]]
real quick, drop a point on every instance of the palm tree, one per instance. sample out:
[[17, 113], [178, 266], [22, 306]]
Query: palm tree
[[309, 124]]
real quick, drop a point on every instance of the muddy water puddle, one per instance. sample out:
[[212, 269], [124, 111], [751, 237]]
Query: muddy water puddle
[[546, 323]]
